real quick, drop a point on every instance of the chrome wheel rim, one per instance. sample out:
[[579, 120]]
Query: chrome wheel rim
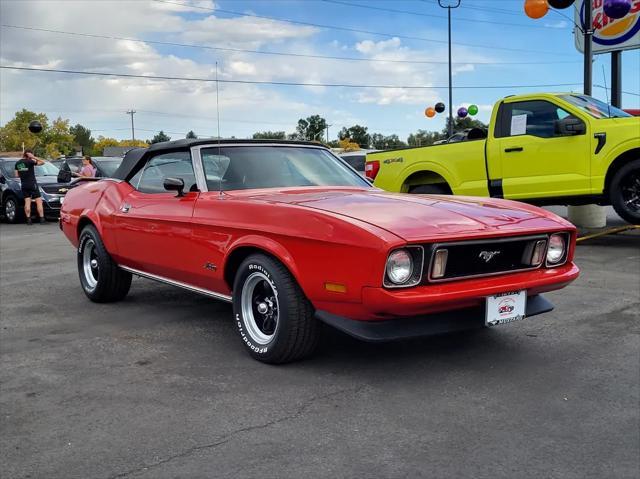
[[10, 210], [90, 266], [260, 309], [631, 191]]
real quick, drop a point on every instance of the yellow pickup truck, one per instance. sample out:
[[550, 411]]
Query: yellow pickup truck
[[540, 148]]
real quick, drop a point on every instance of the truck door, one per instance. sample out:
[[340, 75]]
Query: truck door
[[537, 160]]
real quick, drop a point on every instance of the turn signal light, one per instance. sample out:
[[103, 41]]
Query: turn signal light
[[371, 169], [538, 253], [439, 263], [335, 287]]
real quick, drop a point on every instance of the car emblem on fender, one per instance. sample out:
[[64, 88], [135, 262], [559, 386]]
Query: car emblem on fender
[[488, 255]]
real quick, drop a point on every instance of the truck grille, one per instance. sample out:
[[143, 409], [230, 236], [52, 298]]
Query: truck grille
[[487, 257]]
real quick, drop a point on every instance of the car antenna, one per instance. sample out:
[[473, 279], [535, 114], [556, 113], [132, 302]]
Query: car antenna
[[606, 90], [220, 196]]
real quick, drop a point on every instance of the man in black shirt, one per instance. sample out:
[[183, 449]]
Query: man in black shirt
[[25, 169]]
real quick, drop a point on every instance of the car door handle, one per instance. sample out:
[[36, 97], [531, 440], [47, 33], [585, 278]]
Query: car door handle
[[512, 149]]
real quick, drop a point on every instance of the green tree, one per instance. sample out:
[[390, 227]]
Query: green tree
[[161, 136], [356, 134], [269, 135], [381, 142], [82, 137], [191, 135], [16, 132], [425, 138], [101, 143], [311, 128], [58, 139], [460, 124]]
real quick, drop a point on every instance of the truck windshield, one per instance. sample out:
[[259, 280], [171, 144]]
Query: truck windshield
[[594, 107]]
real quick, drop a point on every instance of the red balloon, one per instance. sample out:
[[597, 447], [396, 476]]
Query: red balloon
[[536, 8]]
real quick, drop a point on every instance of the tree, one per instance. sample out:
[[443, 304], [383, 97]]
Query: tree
[[425, 138], [311, 128], [101, 143], [16, 132], [161, 136], [191, 135], [134, 143], [357, 134], [381, 142], [269, 135], [82, 138], [57, 139], [348, 145], [460, 124]]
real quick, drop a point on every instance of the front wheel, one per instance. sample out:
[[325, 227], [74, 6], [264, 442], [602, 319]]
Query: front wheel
[[101, 278], [274, 318], [11, 210], [625, 192]]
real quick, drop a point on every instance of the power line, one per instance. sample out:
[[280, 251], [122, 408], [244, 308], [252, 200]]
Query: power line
[[286, 54], [284, 83], [431, 15], [356, 30]]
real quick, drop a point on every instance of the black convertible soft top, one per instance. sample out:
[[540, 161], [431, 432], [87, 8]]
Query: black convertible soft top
[[134, 159]]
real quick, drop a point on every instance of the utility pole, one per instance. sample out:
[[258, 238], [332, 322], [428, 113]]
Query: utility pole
[[587, 32], [133, 131], [449, 7]]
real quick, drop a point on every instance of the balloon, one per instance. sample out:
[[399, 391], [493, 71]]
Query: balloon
[[617, 8], [560, 4], [473, 110], [536, 8], [35, 126], [440, 107], [430, 112], [462, 112]]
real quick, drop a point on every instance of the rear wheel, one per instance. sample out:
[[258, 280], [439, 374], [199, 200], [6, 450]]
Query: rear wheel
[[11, 210], [274, 318], [433, 189], [101, 278], [625, 192]]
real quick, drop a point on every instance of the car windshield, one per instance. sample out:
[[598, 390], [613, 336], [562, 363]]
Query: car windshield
[[249, 167], [595, 108], [109, 166], [47, 169]]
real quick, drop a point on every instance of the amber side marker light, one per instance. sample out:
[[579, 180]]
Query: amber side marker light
[[335, 287], [439, 263]]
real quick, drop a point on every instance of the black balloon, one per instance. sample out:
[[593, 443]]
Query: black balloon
[[560, 4], [440, 107], [35, 126]]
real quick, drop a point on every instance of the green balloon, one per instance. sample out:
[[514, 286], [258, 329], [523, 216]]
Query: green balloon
[[473, 110]]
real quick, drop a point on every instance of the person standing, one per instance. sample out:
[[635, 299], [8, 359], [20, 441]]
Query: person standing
[[25, 170], [88, 169]]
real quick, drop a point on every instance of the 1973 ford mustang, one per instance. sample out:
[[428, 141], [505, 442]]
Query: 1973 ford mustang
[[292, 236]]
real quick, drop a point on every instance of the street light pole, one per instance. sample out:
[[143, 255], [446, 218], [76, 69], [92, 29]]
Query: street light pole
[[133, 131], [449, 7]]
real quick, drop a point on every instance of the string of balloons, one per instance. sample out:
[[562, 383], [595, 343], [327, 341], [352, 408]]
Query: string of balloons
[[535, 9], [463, 112]]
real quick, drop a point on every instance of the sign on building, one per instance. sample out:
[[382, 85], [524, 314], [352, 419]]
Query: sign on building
[[609, 34]]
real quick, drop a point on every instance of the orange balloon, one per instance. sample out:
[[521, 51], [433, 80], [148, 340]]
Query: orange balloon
[[430, 112], [536, 8]]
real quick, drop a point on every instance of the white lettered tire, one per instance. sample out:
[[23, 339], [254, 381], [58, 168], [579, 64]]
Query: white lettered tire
[[273, 317]]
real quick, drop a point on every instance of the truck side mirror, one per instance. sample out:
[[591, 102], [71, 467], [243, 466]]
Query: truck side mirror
[[174, 184], [570, 126]]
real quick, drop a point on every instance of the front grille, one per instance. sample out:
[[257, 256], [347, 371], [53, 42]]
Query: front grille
[[487, 257], [56, 189]]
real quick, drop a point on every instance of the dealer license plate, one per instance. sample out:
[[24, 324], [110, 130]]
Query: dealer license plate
[[505, 308]]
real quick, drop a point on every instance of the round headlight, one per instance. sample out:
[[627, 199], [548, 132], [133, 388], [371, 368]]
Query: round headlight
[[556, 249], [399, 266]]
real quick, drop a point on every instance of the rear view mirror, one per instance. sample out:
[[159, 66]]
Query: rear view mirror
[[174, 184], [570, 126]]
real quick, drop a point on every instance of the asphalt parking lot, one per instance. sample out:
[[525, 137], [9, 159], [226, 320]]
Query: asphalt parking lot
[[159, 386]]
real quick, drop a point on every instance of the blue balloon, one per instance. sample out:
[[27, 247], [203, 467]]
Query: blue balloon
[[462, 112], [617, 8]]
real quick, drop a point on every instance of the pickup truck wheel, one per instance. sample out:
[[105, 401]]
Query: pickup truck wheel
[[625, 192], [435, 189], [274, 318], [11, 211], [101, 278]]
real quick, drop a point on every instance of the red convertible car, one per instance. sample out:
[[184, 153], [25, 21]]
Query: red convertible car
[[293, 236]]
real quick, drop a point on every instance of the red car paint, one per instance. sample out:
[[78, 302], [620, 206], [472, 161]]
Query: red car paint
[[323, 235]]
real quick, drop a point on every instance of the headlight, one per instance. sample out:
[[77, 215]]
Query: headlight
[[557, 249], [399, 266]]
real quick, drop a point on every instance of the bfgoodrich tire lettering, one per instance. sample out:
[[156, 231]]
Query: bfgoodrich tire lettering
[[625, 192], [273, 317], [101, 278]]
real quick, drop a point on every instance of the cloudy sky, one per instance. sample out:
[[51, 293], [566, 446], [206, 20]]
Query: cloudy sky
[[496, 47]]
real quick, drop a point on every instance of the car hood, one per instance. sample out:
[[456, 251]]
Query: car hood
[[420, 217]]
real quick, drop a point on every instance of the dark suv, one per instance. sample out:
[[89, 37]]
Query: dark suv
[[11, 199]]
